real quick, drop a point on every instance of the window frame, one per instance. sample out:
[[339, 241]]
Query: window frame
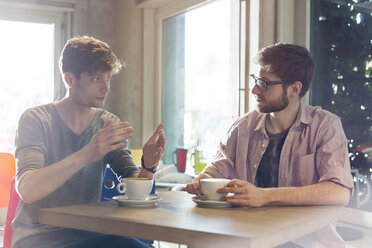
[[267, 22], [59, 14], [154, 13]]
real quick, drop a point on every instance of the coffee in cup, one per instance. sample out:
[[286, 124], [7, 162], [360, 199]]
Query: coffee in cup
[[136, 188], [209, 187]]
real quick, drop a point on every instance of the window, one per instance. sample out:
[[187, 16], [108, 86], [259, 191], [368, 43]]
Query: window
[[341, 45], [29, 73], [32, 35], [200, 76]]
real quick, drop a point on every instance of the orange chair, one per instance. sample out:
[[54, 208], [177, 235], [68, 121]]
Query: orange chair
[[7, 172]]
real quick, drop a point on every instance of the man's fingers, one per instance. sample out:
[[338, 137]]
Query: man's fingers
[[190, 188], [235, 190], [116, 147], [157, 131], [237, 183], [159, 127], [118, 136], [116, 132], [196, 189], [196, 185], [162, 139], [107, 124], [115, 129], [158, 153]]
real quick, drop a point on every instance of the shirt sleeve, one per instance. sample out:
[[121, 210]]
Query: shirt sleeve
[[224, 160], [122, 163], [332, 159], [30, 144]]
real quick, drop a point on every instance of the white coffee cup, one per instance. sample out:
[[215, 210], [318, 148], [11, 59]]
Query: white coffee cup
[[136, 188], [209, 187]]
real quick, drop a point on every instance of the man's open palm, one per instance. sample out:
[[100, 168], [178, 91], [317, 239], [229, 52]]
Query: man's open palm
[[154, 148]]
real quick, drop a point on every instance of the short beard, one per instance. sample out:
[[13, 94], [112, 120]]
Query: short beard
[[276, 105]]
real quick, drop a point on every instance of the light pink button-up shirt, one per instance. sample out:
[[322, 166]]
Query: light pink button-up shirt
[[315, 150]]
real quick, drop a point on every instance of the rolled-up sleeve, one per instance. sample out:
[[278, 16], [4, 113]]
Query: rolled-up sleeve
[[122, 163], [332, 159], [30, 145], [224, 159]]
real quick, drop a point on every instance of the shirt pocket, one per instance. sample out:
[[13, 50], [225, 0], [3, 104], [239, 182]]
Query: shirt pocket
[[304, 170]]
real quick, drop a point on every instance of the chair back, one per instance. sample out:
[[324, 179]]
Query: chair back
[[13, 203], [110, 181], [7, 172]]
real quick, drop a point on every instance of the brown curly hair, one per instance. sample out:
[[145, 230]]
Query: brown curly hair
[[87, 54]]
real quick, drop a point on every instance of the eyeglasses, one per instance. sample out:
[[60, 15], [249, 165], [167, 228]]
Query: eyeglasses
[[262, 85]]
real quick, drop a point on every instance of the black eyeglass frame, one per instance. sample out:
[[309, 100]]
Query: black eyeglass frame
[[264, 84]]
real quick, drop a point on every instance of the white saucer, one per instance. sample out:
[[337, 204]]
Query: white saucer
[[211, 204], [150, 201]]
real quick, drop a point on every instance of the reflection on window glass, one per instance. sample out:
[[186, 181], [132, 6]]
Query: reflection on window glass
[[200, 86], [342, 42], [27, 66]]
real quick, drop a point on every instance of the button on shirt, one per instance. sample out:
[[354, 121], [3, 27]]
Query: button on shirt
[[314, 151]]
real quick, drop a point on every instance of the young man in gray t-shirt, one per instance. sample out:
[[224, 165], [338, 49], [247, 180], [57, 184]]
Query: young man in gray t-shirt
[[62, 150]]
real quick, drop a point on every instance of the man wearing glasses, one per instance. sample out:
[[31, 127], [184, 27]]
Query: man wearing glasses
[[285, 152]]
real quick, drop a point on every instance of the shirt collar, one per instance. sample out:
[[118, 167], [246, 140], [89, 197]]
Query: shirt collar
[[261, 123], [303, 115]]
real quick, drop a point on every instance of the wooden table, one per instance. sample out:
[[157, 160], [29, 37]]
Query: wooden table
[[177, 219]]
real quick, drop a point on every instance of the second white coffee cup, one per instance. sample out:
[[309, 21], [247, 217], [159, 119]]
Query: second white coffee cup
[[209, 187], [136, 188]]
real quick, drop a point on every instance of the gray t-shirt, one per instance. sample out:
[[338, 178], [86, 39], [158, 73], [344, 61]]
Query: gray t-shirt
[[268, 170], [43, 139]]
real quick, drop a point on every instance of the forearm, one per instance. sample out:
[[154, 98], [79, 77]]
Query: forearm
[[325, 193], [39, 183]]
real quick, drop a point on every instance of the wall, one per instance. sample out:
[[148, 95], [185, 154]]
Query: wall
[[128, 27], [273, 21], [118, 22], [121, 24], [96, 18], [126, 94]]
